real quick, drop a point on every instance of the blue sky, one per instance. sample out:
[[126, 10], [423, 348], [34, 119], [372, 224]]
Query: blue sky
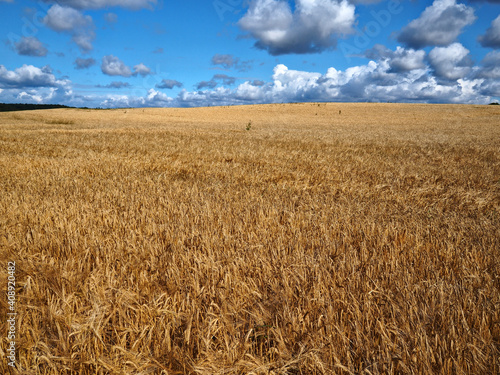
[[153, 53]]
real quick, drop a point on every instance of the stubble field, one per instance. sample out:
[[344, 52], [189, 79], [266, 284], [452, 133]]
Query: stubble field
[[326, 239]]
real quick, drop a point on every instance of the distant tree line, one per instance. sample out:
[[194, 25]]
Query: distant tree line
[[4, 107], [26, 107]]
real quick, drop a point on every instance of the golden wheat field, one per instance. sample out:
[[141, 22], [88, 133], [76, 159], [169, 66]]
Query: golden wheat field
[[274, 239]]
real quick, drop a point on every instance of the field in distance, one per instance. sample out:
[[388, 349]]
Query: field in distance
[[318, 238]]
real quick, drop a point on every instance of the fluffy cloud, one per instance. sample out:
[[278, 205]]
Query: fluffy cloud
[[84, 41], [84, 63], [452, 62], [100, 4], [113, 66], [295, 82], [401, 75], [401, 60], [492, 36], [406, 60], [28, 76], [80, 27], [152, 99], [142, 70], [206, 84], [115, 85], [439, 25], [226, 80], [158, 97], [168, 84], [230, 61], [257, 82], [60, 18], [490, 88], [375, 81], [30, 46], [226, 61], [312, 27], [30, 84], [490, 66]]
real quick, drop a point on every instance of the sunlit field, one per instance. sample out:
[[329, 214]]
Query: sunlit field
[[275, 239]]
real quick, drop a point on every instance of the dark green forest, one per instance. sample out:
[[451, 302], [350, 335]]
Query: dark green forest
[[26, 107]]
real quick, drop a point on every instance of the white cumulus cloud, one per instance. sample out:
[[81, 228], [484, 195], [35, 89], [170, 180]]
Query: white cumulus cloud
[[141, 69], [80, 27], [439, 25], [30, 46], [313, 26], [374, 81], [452, 62], [27, 76], [490, 66], [81, 63], [61, 18], [492, 36], [168, 84], [31, 84], [400, 60], [113, 66]]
